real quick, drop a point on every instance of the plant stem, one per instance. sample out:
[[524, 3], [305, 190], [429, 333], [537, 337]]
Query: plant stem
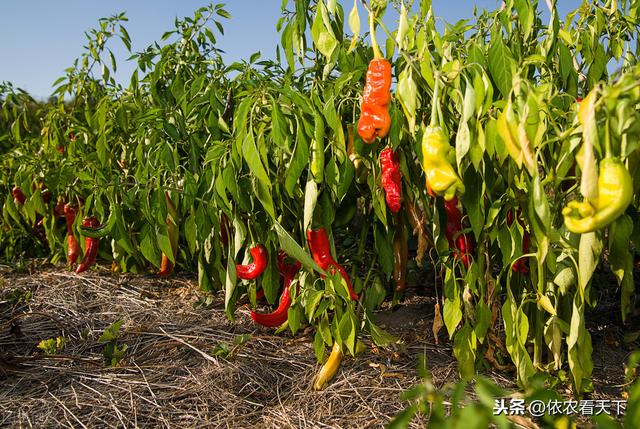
[[374, 42]]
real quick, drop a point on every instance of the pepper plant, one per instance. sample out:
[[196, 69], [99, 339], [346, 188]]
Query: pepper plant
[[504, 145]]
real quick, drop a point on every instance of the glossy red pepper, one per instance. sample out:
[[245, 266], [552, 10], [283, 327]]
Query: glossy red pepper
[[279, 316], [73, 247], [321, 252], [391, 179], [91, 246], [18, 195], [255, 268]]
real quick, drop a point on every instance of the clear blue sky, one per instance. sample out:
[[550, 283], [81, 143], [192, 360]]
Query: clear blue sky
[[40, 38]]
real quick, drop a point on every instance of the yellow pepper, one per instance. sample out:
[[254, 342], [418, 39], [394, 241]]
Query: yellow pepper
[[437, 159], [615, 193], [329, 369]]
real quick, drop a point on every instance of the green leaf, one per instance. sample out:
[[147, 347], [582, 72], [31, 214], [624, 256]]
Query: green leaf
[[541, 204], [293, 249], [354, 26], [500, 65], [310, 201], [230, 278], [621, 260], [318, 346], [473, 200], [252, 157], [407, 93], [111, 333], [347, 328], [299, 161], [464, 347], [452, 312], [589, 253], [294, 316]]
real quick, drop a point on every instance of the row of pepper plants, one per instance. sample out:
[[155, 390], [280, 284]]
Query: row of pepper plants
[[503, 148]]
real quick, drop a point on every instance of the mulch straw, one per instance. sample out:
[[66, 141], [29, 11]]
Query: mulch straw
[[169, 376]]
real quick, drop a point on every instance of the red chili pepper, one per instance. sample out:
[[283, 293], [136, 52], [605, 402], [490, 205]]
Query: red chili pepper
[[18, 195], [463, 243], [91, 246], [391, 179], [520, 266], [73, 247], [321, 252], [374, 117], [255, 268], [58, 210], [279, 316]]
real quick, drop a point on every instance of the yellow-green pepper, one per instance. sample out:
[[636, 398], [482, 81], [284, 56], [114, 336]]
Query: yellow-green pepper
[[437, 159], [615, 193]]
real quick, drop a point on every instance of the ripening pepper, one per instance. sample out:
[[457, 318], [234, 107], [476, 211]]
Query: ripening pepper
[[374, 109], [279, 316], [615, 193], [254, 269], [437, 159], [321, 252], [73, 247], [91, 246], [462, 243], [18, 195], [166, 267], [391, 179], [329, 369]]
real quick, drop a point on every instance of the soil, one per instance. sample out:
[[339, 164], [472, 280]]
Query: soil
[[188, 366]]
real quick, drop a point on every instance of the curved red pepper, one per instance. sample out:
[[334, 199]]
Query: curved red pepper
[[279, 316], [391, 179], [91, 246], [255, 268], [321, 252]]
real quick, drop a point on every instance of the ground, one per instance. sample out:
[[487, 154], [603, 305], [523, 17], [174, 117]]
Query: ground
[[170, 375]]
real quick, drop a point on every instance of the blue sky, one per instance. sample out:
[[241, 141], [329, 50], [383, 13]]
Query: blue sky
[[40, 38]]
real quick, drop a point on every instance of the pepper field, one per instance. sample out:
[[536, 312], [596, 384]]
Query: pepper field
[[350, 235]]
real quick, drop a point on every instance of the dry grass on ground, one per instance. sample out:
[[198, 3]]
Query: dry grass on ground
[[169, 378]]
